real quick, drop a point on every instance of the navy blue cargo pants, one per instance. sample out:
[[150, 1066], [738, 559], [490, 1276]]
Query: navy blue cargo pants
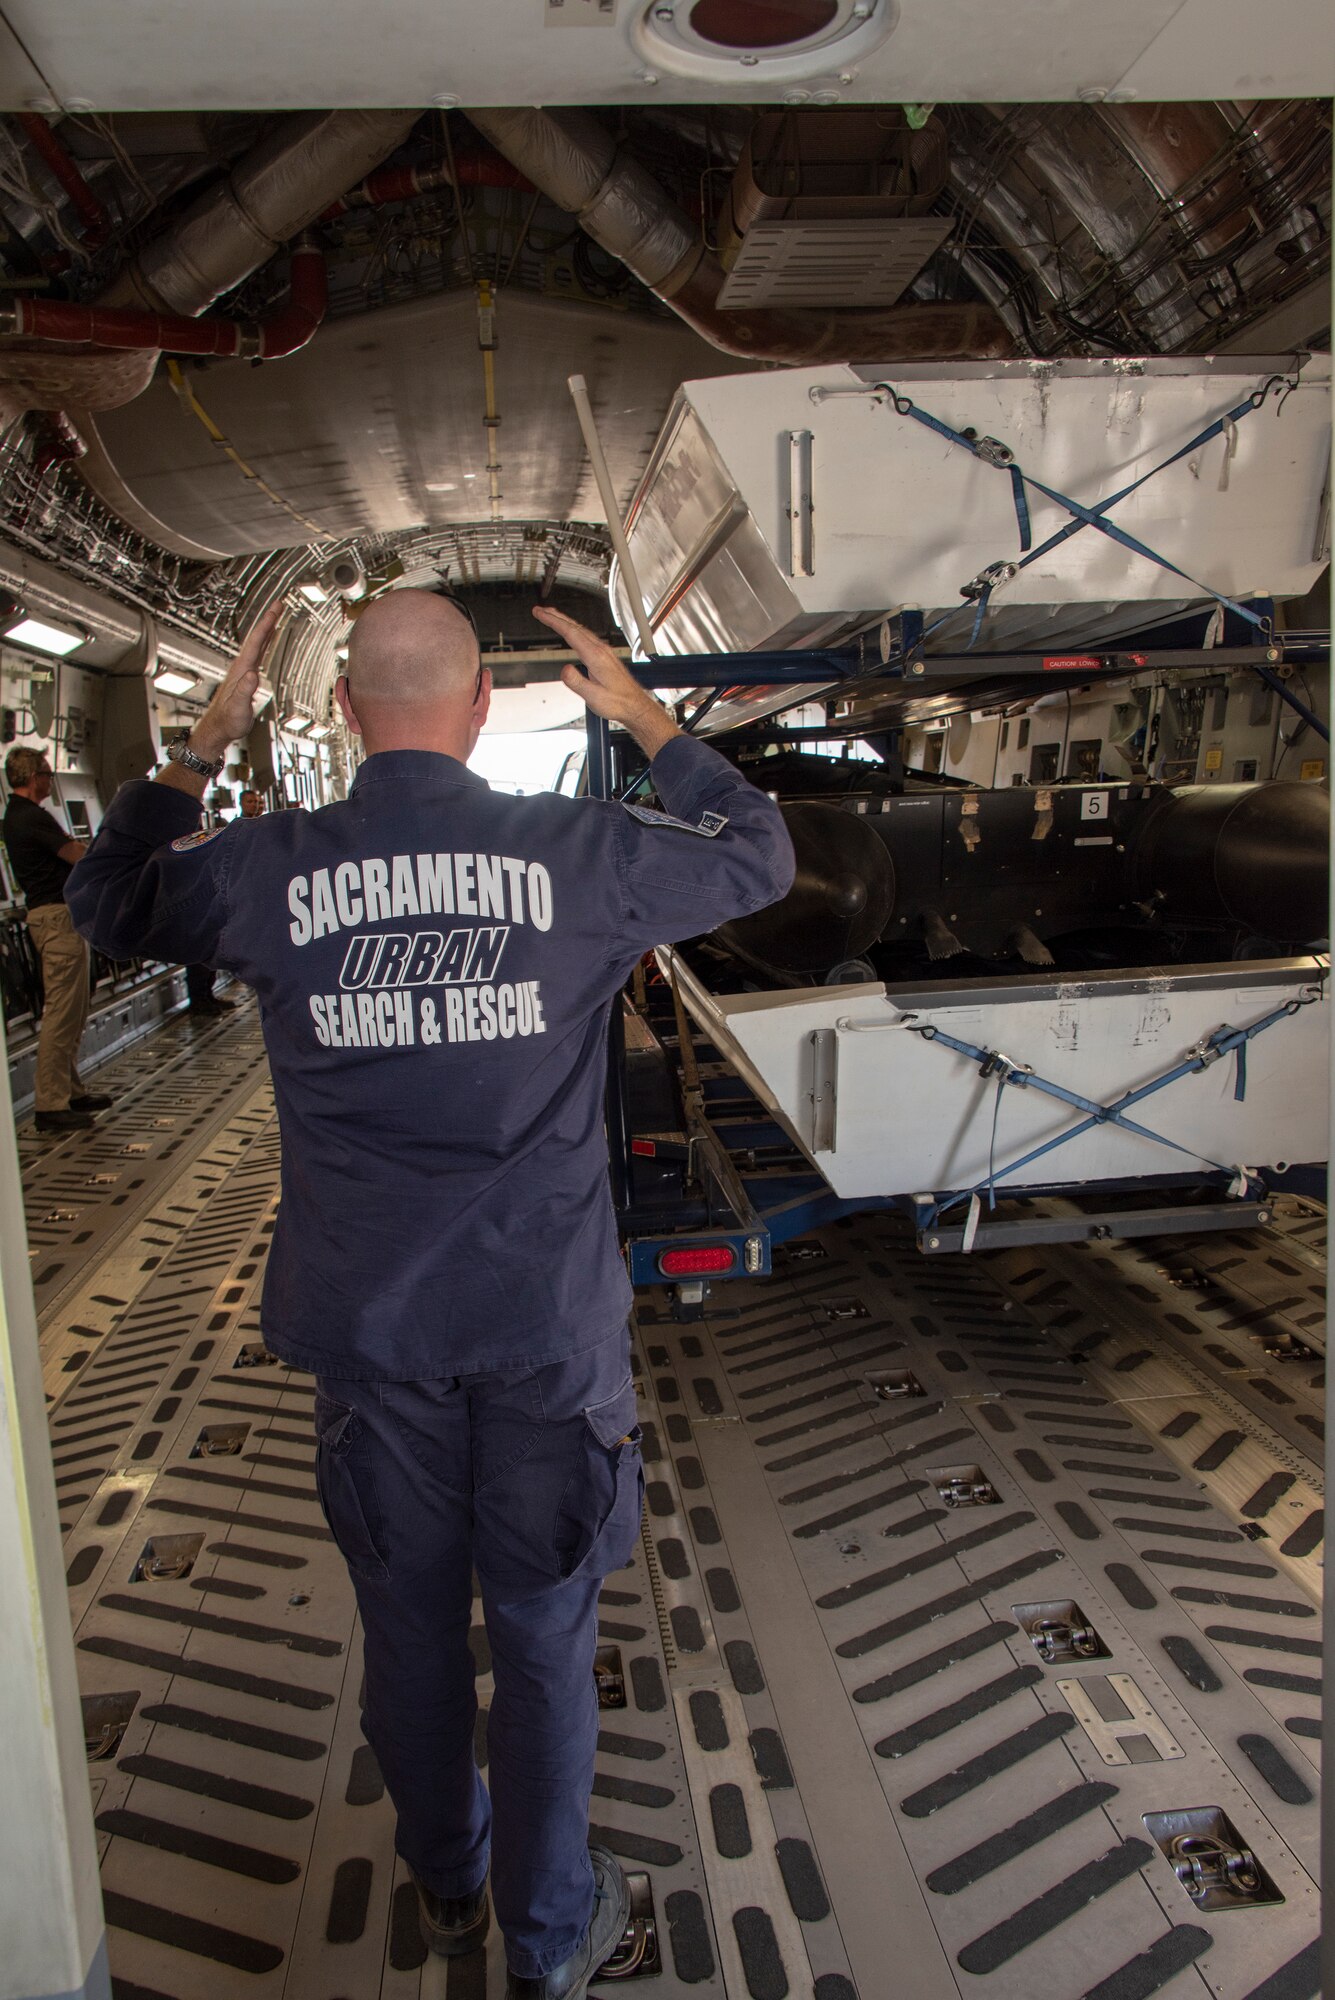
[[533, 1480]]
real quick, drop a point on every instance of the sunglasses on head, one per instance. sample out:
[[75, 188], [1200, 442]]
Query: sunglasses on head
[[443, 590]]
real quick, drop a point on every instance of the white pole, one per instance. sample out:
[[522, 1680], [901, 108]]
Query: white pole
[[50, 1907], [593, 444]]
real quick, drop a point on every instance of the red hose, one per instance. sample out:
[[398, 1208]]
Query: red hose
[[172, 333], [481, 167], [477, 167], [96, 221], [296, 321], [115, 326]]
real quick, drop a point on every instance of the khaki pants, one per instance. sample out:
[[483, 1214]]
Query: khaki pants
[[64, 957]]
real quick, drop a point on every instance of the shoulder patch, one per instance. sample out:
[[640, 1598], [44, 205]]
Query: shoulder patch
[[708, 824], [200, 839]]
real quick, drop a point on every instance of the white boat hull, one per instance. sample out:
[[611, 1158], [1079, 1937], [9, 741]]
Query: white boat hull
[[881, 1111]]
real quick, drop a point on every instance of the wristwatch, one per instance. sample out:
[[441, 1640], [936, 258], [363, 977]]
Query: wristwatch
[[180, 753]]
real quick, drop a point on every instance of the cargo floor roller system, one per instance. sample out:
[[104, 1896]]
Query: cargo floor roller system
[[975, 1004]]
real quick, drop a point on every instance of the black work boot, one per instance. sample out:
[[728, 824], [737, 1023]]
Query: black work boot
[[453, 1925], [611, 1914], [62, 1121]]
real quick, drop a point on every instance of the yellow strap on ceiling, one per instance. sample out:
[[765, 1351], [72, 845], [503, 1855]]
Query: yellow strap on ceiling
[[487, 341], [193, 404]]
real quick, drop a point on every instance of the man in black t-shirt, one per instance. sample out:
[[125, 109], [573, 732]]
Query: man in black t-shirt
[[41, 854]]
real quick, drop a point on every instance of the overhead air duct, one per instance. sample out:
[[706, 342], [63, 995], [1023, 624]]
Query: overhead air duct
[[277, 190], [578, 165], [832, 208], [282, 333]]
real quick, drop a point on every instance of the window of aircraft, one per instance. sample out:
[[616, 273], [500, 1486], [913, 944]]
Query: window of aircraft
[[760, 24]]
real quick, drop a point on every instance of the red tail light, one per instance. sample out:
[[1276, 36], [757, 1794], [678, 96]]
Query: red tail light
[[697, 1263]]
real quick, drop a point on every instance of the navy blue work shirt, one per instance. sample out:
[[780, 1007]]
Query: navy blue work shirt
[[434, 963]]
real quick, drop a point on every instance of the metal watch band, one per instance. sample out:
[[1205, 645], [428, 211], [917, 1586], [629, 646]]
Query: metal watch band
[[181, 753]]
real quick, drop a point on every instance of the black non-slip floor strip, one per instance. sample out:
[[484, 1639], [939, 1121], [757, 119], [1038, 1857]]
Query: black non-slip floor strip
[[1150, 1971], [989, 1764], [234, 1858], [952, 1600], [204, 1940], [1042, 1824], [1065, 1899], [978, 1701]]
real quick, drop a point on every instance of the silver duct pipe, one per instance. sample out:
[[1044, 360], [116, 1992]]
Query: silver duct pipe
[[576, 164], [579, 166], [273, 193], [270, 195], [278, 188]]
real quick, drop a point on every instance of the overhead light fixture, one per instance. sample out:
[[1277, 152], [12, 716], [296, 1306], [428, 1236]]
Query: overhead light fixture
[[319, 730], [312, 589], [296, 725], [442, 485], [45, 635], [344, 577], [172, 681]]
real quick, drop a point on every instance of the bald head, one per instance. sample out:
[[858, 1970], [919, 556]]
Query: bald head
[[411, 648], [412, 680]]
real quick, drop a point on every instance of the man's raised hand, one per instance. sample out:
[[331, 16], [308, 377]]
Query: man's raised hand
[[232, 710], [607, 686]]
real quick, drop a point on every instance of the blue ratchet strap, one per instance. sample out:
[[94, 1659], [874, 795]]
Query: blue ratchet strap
[[1021, 506], [1099, 1114], [990, 450], [1087, 517], [1207, 436], [993, 453], [1223, 1042]]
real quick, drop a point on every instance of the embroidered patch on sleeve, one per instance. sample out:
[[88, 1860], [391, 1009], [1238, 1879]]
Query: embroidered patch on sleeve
[[189, 840], [708, 824]]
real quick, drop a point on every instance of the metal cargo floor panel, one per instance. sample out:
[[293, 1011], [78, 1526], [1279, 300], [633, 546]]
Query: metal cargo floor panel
[[843, 1764]]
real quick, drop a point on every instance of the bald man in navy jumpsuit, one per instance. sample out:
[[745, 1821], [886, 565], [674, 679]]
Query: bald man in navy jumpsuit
[[435, 964]]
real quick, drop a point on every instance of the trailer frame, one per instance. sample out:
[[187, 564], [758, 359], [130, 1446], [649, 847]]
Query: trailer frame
[[751, 1214]]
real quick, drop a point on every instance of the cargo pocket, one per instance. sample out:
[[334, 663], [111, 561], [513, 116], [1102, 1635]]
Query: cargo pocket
[[598, 1518], [345, 1481]]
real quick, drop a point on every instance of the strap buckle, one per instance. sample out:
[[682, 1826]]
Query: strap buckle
[[991, 450], [988, 580]]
